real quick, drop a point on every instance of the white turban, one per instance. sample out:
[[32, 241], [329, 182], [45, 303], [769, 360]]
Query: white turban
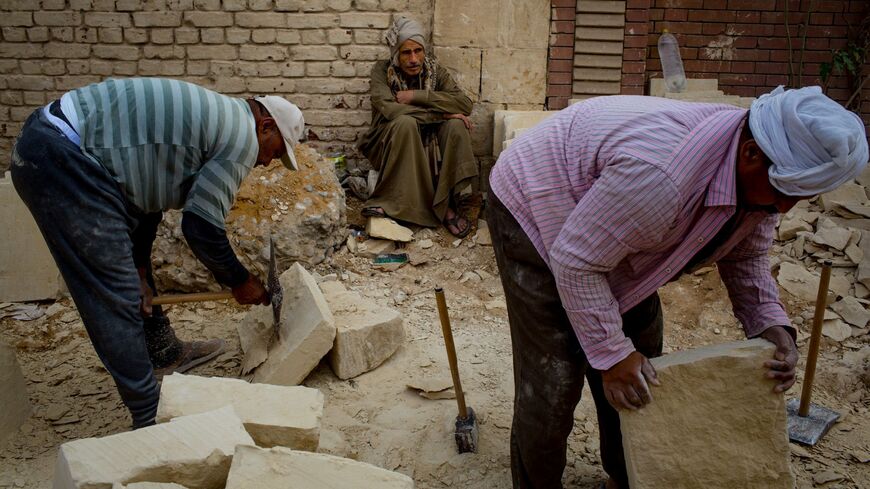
[[403, 29], [815, 144]]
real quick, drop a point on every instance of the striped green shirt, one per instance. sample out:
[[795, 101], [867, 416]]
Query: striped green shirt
[[169, 144]]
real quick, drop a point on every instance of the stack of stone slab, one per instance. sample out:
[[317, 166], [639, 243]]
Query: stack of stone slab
[[508, 124], [14, 401], [714, 423], [356, 334], [27, 270], [699, 90]]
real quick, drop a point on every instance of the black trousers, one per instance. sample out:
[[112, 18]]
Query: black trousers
[[549, 364]]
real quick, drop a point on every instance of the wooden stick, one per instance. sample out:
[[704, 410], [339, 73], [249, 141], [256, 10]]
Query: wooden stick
[[451, 351], [197, 297], [815, 337]]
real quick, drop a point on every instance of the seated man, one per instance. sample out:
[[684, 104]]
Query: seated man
[[419, 140]]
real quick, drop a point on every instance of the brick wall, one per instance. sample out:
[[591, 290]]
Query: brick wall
[[744, 43], [318, 53], [560, 58]]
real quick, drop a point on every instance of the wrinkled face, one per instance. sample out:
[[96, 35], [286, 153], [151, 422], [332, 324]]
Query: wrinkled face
[[270, 141], [411, 56]]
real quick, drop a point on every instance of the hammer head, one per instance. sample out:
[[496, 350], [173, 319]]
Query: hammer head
[[276, 293], [466, 433]]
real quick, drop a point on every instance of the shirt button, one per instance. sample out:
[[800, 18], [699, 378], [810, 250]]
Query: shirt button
[[701, 240], [668, 270]]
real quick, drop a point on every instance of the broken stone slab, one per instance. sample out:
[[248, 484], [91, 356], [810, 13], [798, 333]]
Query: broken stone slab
[[482, 237], [714, 412], [367, 334], [386, 228], [194, 451], [790, 227], [850, 210], [14, 400], [272, 415], [831, 235], [371, 248], [800, 282], [851, 310], [306, 333], [836, 329], [282, 468], [848, 193]]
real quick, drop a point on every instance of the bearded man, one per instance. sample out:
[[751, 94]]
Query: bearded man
[[419, 139]]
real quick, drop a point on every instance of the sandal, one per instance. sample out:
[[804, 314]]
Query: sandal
[[455, 221], [373, 212]]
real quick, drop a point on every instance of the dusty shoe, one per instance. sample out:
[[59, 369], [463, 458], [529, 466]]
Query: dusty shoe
[[193, 353]]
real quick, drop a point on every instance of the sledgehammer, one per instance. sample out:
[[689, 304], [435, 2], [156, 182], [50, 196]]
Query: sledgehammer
[[466, 422]]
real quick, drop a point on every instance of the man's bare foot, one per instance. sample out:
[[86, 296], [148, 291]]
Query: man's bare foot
[[457, 225]]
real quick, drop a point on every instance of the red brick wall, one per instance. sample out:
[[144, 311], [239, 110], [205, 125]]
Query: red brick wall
[[560, 59], [744, 43]]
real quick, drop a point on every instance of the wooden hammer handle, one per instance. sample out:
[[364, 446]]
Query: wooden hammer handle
[[197, 297], [815, 338], [451, 351]]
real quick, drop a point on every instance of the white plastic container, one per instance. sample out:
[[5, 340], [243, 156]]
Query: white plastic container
[[672, 63]]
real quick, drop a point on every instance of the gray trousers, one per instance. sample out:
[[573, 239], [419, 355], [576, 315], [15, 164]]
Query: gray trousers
[[549, 364], [86, 222]]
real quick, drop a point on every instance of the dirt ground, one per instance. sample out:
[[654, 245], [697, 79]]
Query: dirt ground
[[375, 418]]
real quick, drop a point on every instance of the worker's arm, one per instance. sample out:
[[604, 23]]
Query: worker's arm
[[448, 98], [384, 100], [630, 207], [755, 300], [143, 237], [211, 246]]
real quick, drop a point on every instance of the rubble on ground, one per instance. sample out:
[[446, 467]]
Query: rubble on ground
[[14, 400]]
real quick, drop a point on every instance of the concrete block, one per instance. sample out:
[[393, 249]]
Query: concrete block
[[306, 332], [464, 65], [516, 119], [714, 423], [272, 415], [194, 451], [458, 24], [27, 270], [503, 81], [281, 468], [367, 334], [14, 401]]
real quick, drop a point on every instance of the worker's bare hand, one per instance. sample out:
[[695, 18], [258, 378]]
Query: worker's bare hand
[[146, 295], [464, 118], [782, 367], [404, 96], [626, 384], [251, 291]]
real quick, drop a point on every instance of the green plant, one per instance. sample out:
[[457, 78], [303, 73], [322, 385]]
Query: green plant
[[848, 60]]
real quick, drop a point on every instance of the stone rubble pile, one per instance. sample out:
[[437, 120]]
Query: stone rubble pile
[[836, 227]]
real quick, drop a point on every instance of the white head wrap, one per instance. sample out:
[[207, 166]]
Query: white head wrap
[[403, 29], [815, 144]]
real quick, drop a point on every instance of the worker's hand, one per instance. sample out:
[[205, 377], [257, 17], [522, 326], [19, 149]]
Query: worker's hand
[[626, 383], [404, 96], [146, 295], [464, 118], [782, 367], [251, 291]]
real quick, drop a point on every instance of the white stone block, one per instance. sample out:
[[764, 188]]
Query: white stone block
[[464, 65], [657, 85], [27, 270], [272, 415], [507, 121], [194, 451], [715, 423], [367, 334], [386, 228], [14, 401], [281, 468], [456, 23], [307, 330], [514, 76]]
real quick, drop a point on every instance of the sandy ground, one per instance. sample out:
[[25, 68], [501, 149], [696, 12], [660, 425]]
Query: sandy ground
[[375, 418]]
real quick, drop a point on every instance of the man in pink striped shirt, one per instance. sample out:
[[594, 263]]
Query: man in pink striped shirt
[[596, 208]]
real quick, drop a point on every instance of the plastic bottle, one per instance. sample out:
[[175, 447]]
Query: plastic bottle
[[672, 63]]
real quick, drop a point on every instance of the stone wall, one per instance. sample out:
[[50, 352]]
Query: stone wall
[[318, 53]]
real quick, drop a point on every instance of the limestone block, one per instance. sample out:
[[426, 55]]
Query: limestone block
[[516, 119], [524, 23], [366, 334], [481, 133], [464, 64], [461, 23], [14, 401], [714, 423], [306, 332], [514, 76], [386, 228], [281, 468], [272, 415], [657, 85], [27, 270], [194, 451]]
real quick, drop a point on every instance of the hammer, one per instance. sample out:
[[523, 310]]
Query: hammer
[[276, 293], [466, 423]]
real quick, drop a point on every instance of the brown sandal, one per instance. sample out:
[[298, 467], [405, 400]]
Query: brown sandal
[[455, 222], [373, 212]]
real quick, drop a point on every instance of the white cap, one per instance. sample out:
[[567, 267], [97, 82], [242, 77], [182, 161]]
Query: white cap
[[290, 122]]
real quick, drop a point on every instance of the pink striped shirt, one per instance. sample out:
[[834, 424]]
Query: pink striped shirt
[[619, 193]]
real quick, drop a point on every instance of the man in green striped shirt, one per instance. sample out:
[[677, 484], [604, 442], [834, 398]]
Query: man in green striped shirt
[[98, 167]]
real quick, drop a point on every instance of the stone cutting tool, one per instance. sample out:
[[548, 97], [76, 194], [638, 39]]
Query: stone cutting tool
[[273, 286]]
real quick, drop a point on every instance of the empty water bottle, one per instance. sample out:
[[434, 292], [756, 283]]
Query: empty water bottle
[[672, 63]]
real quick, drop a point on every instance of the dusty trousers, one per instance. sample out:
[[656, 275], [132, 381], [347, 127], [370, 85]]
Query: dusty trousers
[[549, 364]]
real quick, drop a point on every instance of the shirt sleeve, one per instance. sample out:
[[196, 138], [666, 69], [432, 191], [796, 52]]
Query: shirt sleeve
[[751, 287], [211, 246], [629, 208], [214, 189], [384, 101], [447, 99]]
